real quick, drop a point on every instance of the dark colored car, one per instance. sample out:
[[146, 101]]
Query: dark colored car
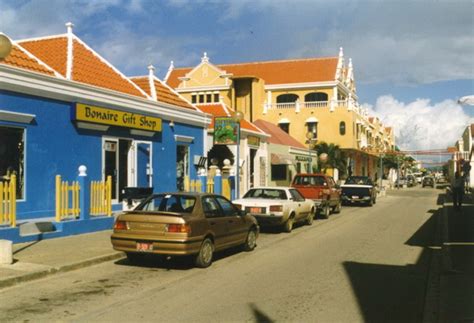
[[428, 181], [320, 188], [182, 224], [359, 189]]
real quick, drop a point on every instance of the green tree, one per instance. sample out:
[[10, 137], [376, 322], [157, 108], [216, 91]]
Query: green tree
[[336, 157]]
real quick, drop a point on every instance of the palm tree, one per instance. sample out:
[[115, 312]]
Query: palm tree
[[335, 157]]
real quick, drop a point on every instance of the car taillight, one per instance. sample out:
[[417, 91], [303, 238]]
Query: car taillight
[[178, 228], [121, 225], [276, 208]]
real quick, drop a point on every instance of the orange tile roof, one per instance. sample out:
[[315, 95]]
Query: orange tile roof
[[163, 92], [220, 110], [87, 66], [20, 58], [278, 136], [275, 72]]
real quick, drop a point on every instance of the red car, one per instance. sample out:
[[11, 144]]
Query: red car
[[320, 188]]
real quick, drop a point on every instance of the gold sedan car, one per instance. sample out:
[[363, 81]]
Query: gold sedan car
[[181, 224]]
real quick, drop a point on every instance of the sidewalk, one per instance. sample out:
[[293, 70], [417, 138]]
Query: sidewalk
[[38, 259], [456, 281]]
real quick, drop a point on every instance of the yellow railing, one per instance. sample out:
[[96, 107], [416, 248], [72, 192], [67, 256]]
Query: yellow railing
[[101, 197], [8, 202], [196, 185], [67, 199]]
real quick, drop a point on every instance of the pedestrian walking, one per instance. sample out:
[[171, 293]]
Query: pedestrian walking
[[466, 172], [457, 187]]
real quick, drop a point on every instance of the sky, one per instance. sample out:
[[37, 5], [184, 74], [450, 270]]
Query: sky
[[413, 59]]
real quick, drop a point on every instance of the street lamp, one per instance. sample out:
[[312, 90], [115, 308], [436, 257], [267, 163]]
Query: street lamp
[[5, 46], [238, 116]]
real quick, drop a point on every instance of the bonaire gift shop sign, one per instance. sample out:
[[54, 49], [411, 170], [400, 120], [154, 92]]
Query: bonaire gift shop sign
[[112, 117]]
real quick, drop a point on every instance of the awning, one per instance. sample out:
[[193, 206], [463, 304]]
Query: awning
[[278, 159]]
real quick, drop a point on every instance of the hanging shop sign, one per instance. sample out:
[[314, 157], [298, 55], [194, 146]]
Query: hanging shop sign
[[113, 117], [226, 131], [253, 141], [303, 158]]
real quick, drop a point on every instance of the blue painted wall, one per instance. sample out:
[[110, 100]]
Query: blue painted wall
[[54, 145]]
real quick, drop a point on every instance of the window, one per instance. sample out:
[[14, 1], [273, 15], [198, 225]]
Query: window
[[279, 172], [227, 207], [201, 98], [182, 166], [297, 197], [313, 128], [210, 207], [287, 98], [12, 157], [194, 98], [209, 98], [342, 128], [216, 97], [285, 127], [315, 97]]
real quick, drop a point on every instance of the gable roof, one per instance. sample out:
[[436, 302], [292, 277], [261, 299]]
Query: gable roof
[[220, 110], [21, 58], [275, 72], [163, 92], [278, 136], [87, 66]]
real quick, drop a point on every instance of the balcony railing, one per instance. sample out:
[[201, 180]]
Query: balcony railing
[[307, 105]]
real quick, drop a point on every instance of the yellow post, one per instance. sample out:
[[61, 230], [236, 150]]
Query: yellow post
[[210, 186], [226, 187], [2, 202], [109, 195], [187, 184], [13, 201], [58, 198]]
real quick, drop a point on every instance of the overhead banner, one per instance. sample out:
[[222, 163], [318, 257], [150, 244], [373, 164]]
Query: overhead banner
[[226, 131], [113, 117]]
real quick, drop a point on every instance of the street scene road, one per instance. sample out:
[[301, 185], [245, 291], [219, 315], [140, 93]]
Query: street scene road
[[364, 264]]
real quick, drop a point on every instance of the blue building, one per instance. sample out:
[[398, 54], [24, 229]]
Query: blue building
[[62, 105]]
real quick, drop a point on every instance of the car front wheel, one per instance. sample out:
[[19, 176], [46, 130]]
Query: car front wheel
[[337, 208], [310, 218], [325, 211], [204, 257]]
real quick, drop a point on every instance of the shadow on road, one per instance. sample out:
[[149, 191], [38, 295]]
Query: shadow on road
[[395, 293], [260, 317]]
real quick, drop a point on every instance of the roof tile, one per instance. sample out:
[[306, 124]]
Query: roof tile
[[278, 136], [19, 58]]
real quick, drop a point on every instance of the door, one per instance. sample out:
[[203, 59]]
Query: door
[[302, 209], [236, 226], [110, 151], [217, 222], [143, 169]]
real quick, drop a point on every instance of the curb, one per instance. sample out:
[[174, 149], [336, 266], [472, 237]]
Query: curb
[[60, 269]]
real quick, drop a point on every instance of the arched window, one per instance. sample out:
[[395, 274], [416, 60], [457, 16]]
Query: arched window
[[285, 127], [315, 97], [287, 98], [342, 128]]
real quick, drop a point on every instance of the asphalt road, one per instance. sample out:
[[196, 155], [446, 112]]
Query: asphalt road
[[364, 264]]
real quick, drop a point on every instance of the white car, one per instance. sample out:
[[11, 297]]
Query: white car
[[277, 206]]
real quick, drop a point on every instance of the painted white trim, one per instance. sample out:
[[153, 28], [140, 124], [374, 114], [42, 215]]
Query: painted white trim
[[70, 49], [143, 133], [16, 116], [38, 84], [284, 120], [301, 151], [181, 138], [311, 119], [92, 126]]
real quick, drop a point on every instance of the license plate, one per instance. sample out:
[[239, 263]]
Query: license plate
[[255, 210], [355, 197], [144, 246]]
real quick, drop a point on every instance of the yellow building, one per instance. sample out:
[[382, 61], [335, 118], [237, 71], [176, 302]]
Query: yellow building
[[313, 100]]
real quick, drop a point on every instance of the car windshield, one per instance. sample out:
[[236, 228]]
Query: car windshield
[[360, 180], [263, 193], [168, 203], [310, 180]]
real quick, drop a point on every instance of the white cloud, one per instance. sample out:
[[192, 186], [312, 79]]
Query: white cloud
[[419, 125]]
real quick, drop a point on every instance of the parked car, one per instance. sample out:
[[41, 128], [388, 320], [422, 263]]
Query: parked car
[[182, 224], [402, 181], [411, 180], [428, 181], [320, 188], [359, 189], [277, 206]]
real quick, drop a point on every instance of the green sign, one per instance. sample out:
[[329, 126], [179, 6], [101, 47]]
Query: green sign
[[226, 131]]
